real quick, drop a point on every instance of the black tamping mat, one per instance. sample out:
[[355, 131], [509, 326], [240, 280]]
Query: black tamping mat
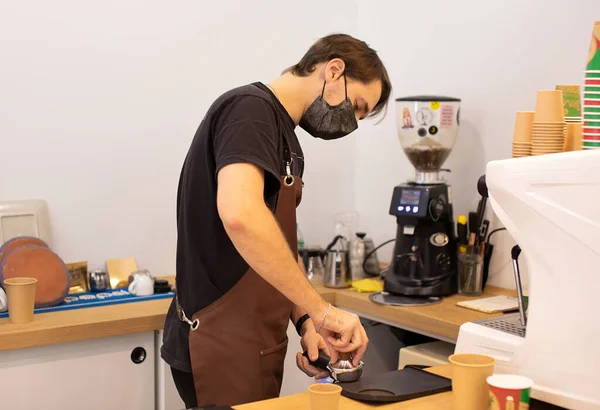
[[398, 385]]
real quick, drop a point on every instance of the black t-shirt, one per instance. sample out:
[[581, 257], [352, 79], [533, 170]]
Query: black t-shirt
[[245, 125]]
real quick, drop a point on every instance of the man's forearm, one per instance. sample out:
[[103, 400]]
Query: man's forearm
[[261, 243], [297, 311]]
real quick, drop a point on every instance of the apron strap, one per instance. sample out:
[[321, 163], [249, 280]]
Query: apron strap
[[289, 179]]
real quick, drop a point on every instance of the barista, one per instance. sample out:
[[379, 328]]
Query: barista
[[238, 277]]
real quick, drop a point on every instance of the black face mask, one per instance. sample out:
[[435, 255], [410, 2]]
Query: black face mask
[[322, 120]]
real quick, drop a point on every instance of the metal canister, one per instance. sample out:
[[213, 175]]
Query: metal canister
[[362, 248], [337, 269], [99, 281]]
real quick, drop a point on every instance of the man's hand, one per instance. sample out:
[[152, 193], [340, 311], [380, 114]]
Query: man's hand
[[345, 333], [312, 342]]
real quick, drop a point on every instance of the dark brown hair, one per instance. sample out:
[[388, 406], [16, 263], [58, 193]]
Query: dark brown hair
[[362, 63]]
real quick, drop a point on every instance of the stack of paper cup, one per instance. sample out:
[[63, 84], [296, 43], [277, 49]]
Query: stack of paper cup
[[591, 94], [591, 110], [521, 146], [549, 127], [571, 102], [574, 137]]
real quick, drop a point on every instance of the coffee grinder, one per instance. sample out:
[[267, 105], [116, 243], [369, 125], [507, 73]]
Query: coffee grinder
[[424, 263]]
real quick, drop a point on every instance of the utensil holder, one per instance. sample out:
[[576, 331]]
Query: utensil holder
[[470, 274]]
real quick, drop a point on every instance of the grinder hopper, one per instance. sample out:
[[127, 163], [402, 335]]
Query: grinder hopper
[[427, 128]]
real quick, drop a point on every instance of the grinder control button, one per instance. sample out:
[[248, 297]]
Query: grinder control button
[[439, 239]]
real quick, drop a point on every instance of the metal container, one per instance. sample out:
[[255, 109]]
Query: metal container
[[362, 248], [99, 280], [337, 265], [357, 256], [341, 371], [372, 263], [344, 370], [313, 264]]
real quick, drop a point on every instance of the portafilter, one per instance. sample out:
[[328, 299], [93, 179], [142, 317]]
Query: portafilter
[[342, 370]]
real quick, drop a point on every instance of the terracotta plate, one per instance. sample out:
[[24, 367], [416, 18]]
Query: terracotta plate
[[38, 262]]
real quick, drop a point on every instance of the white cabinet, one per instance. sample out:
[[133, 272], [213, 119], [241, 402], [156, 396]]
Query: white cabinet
[[167, 397], [96, 374]]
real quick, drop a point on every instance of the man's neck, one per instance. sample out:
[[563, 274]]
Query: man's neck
[[294, 93]]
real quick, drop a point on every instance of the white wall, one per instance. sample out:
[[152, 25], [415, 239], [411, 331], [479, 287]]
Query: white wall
[[492, 55], [100, 100]]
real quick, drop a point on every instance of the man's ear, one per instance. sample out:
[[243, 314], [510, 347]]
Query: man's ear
[[335, 68]]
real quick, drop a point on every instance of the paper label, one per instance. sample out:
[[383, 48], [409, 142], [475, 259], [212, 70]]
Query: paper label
[[509, 399], [446, 116], [594, 53], [406, 118], [571, 99]]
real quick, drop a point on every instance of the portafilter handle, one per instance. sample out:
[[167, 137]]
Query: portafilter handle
[[322, 362], [483, 191], [482, 186]]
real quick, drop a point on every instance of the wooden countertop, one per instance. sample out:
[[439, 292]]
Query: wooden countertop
[[441, 320], [83, 324], [441, 401], [86, 323]]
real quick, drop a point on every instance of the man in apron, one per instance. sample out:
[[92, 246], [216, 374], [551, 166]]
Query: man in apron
[[238, 277]]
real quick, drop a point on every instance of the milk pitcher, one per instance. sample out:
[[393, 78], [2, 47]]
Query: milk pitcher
[[337, 269]]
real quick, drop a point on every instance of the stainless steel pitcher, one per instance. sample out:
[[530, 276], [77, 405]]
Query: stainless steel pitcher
[[337, 269]]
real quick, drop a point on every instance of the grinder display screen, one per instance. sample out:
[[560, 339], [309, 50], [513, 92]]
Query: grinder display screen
[[410, 197]]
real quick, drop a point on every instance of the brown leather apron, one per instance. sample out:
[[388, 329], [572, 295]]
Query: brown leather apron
[[239, 342]]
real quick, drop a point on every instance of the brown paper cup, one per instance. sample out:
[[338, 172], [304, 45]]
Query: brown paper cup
[[573, 140], [324, 396], [469, 386], [549, 106], [542, 127], [523, 126], [20, 293], [544, 135]]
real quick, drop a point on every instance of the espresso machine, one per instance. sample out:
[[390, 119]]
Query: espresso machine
[[424, 262], [548, 204]]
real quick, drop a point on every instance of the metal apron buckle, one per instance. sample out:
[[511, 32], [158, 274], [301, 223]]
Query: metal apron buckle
[[181, 315], [289, 178]]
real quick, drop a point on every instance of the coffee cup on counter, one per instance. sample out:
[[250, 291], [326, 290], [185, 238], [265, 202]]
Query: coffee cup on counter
[[20, 293], [3, 302], [470, 389], [141, 285]]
